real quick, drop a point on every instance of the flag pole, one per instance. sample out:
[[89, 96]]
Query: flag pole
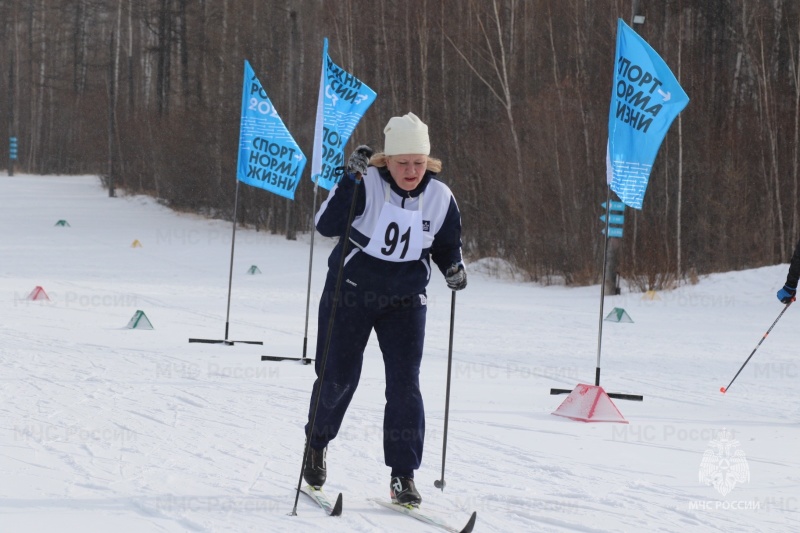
[[230, 270], [310, 262], [603, 288], [615, 395], [304, 359], [225, 341]]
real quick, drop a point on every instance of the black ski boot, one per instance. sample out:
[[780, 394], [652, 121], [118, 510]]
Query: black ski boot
[[315, 471], [404, 492]]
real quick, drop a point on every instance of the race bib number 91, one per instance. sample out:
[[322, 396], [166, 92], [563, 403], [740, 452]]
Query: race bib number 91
[[397, 236]]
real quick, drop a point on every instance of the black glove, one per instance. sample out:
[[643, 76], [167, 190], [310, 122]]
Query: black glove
[[359, 160], [786, 294], [456, 276]]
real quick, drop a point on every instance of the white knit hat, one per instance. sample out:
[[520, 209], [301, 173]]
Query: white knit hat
[[406, 135]]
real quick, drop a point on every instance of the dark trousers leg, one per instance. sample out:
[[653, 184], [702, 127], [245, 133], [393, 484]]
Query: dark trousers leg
[[351, 330], [401, 334]]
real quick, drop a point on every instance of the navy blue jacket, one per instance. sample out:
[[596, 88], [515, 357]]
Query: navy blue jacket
[[441, 230]]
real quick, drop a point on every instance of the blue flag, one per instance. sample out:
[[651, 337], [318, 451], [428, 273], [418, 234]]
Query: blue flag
[[269, 158], [645, 100], [343, 100]]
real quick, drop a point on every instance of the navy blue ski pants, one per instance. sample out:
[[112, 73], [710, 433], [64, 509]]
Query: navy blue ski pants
[[399, 323]]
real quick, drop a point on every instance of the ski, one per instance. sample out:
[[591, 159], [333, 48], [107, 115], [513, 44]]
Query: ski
[[333, 509], [415, 512]]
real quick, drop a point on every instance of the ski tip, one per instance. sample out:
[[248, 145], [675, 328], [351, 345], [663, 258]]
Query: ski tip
[[471, 524], [722, 390], [337, 507]]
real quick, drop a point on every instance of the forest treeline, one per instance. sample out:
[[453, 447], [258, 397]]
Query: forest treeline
[[147, 93]]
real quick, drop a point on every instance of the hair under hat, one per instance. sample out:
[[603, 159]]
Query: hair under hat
[[406, 135]]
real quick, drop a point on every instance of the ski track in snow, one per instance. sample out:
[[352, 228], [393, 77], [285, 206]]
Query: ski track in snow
[[108, 429]]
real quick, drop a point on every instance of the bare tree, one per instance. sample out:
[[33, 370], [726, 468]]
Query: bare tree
[[498, 56]]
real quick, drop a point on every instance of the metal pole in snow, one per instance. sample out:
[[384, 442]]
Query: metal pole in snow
[[310, 261], [603, 288], [230, 272]]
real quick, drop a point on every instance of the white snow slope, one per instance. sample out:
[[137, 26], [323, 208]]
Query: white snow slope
[[104, 428]]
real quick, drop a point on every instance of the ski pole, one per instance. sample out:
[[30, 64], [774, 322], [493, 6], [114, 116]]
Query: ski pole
[[439, 483], [324, 360], [723, 390]]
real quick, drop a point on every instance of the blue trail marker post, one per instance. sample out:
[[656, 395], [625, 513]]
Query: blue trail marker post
[[12, 154], [613, 215]]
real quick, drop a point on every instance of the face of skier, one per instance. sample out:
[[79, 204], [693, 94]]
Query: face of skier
[[407, 169]]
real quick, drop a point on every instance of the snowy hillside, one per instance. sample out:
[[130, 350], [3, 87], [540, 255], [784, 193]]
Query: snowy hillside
[[104, 428]]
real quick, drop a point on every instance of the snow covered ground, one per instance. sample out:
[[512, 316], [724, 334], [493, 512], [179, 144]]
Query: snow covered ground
[[104, 428]]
